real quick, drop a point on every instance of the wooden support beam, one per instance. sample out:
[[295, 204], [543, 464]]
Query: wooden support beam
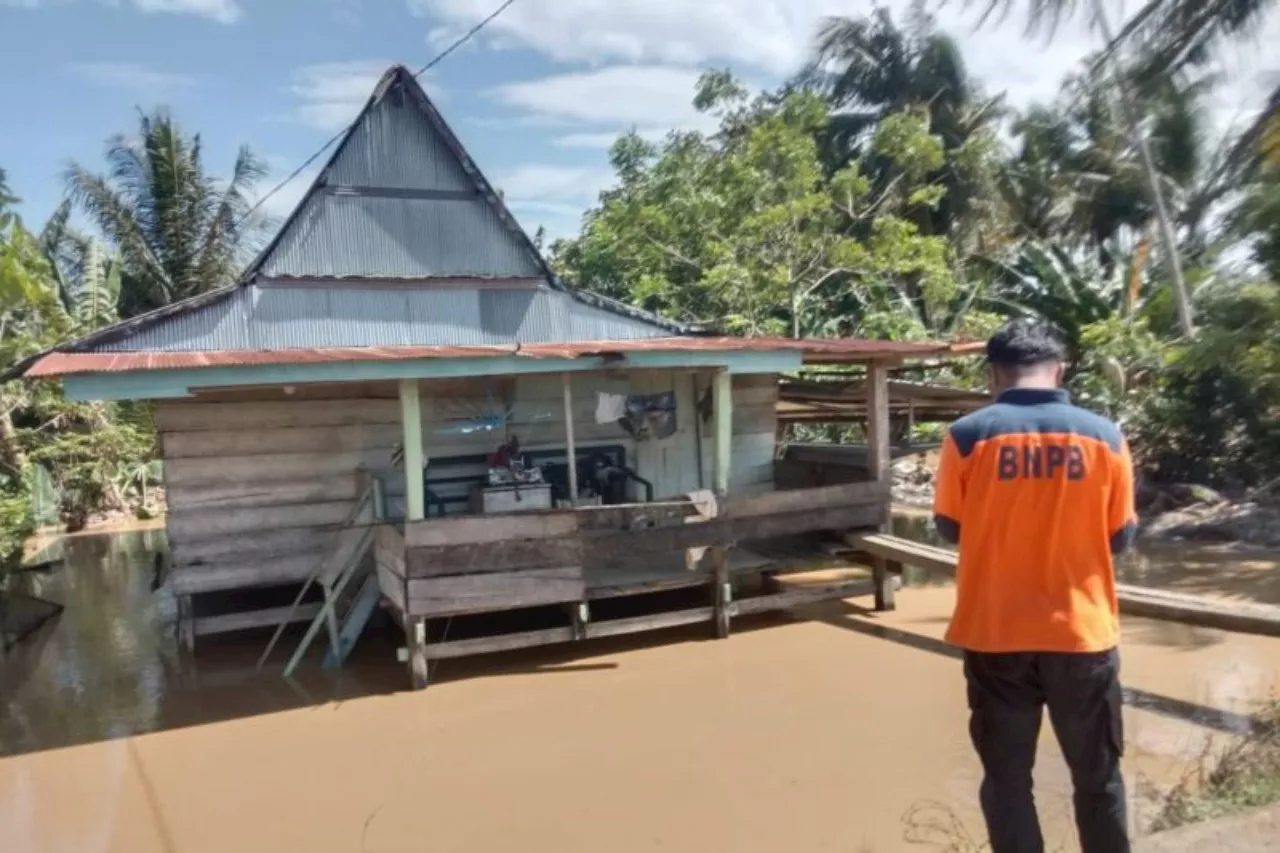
[[801, 595], [722, 397], [581, 615], [500, 643], [885, 580], [878, 438], [411, 420], [186, 623], [717, 560], [415, 635], [658, 621], [570, 448]]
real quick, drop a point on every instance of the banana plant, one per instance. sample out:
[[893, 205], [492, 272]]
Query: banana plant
[[88, 280]]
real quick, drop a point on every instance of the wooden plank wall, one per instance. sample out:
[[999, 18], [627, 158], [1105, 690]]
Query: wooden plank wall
[[258, 479], [672, 463]]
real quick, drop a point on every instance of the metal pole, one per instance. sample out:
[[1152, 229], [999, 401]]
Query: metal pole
[[1170, 240]]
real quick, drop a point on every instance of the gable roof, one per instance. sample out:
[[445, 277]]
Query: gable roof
[[400, 198], [399, 241]]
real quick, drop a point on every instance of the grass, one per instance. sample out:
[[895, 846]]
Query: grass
[[1244, 776]]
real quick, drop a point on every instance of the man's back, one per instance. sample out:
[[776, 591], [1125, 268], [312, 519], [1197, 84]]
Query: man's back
[[1041, 492]]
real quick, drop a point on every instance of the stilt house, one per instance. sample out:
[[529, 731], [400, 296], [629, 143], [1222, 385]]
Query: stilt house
[[401, 321]]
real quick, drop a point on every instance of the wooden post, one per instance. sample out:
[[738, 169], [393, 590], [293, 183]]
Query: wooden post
[[878, 466], [723, 405], [581, 615], [878, 440], [886, 581], [187, 623], [415, 629], [570, 448], [411, 417], [415, 634], [718, 557]]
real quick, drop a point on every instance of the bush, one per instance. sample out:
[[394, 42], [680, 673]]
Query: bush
[[1213, 415]]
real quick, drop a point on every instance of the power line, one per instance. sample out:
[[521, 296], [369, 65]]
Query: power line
[[466, 37], [457, 43]]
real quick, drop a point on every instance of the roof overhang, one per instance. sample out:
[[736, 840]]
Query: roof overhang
[[814, 351]]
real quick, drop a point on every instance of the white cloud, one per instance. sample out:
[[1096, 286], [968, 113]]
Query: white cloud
[[605, 139], [284, 200], [544, 183], [773, 37], [332, 93], [222, 11], [767, 34], [550, 195], [133, 76], [617, 97]]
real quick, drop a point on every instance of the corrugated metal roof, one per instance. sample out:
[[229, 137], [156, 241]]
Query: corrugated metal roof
[[815, 351], [394, 145], [399, 198], [280, 317], [353, 236]]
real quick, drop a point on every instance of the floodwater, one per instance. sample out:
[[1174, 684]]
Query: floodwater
[[832, 729]]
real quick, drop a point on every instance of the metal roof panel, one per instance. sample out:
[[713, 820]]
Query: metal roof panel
[[283, 317], [337, 236]]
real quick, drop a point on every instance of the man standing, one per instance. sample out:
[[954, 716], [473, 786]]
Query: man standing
[[1038, 495]]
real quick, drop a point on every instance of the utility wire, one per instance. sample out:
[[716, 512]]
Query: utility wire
[[457, 43]]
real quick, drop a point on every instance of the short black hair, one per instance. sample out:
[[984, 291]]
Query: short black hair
[[1026, 342]]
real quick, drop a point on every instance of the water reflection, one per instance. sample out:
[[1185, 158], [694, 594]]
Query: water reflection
[[110, 666], [97, 671]]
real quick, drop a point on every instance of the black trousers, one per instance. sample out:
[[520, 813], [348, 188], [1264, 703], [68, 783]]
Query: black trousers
[[1007, 695]]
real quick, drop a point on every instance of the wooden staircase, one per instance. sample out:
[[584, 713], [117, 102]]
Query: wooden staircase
[[334, 573]]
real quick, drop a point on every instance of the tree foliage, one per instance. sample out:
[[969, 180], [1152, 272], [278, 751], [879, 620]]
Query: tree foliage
[[745, 229], [87, 449], [178, 231]]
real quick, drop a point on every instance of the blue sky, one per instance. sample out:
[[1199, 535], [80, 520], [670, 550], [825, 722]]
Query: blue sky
[[536, 98]]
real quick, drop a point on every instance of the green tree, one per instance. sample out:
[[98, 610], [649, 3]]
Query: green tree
[[90, 450], [178, 231], [746, 230], [869, 68]]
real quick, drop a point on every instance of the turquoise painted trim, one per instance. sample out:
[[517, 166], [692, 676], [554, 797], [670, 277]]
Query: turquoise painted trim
[[167, 384]]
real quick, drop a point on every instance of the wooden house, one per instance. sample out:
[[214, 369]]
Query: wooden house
[[402, 321]]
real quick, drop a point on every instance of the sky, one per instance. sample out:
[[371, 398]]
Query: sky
[[537, 97]]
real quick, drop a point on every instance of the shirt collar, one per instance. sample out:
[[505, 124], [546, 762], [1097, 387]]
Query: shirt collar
[[1034, 396]]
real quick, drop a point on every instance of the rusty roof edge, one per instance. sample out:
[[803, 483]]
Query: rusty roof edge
[[864, 351]]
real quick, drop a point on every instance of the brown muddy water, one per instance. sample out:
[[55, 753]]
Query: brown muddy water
[[834, 728]]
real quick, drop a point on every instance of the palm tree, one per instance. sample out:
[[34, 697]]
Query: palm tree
[[1077, 174], [178, 231], [869, 68], [1167, 36]]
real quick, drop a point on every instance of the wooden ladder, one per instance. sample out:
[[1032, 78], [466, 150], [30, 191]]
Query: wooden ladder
[[333, 574]]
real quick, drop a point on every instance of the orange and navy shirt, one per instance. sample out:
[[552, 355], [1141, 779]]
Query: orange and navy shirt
[[1038, 494]]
